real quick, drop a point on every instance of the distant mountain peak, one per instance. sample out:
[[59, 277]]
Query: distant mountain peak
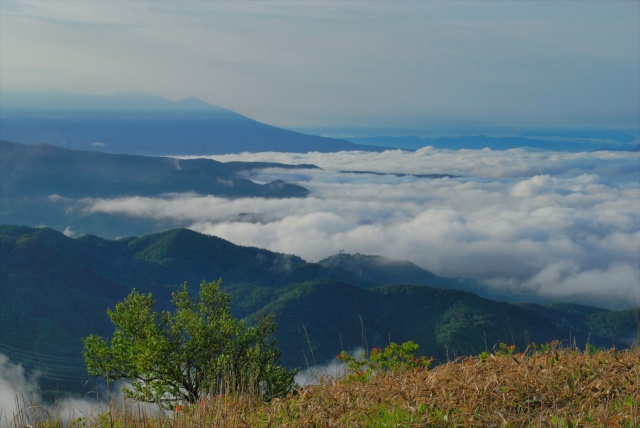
[[382, 270], [198, 103], [118, 101], [358, 258], [141, 123]]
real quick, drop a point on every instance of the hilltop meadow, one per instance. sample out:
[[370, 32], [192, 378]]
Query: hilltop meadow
[[544, 386]]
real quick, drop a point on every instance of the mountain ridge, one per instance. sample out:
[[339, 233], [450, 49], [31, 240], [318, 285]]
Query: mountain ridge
[[48, 185], [57, 289]]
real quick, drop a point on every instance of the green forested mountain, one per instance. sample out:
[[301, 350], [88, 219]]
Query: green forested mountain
[[380, 270], [318, 318], [56, 290], [372, 270]]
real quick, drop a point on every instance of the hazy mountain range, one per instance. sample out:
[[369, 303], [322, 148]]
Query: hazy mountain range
[[140, 123], [44, 184], [137, 123], [56, 290], [41, 184], [553, 140]]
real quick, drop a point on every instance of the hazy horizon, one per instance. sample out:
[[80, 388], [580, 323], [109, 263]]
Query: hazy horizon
[[323, 65], [13, 101]]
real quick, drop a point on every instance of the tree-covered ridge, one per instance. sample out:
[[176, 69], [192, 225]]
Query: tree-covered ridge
[[56, 290], [373, 270], [380, 270], [320, 317], [621, 325]]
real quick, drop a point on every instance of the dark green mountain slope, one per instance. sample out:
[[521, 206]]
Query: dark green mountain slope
[[381, 270], [317, 320], [43, 184], [623, 326], [161, 260], [378, 271], [42, 170], [55, 290]]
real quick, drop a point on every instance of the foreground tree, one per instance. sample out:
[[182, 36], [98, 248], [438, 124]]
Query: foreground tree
[[197, 350]]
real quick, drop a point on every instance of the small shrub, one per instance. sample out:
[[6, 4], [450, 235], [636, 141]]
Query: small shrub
[[392, 358]]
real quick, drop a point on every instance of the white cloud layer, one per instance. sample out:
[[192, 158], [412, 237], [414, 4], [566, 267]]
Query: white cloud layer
[[559, 224]]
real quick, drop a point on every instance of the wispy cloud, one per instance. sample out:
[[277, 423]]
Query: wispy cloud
[[15, 387], [22, 404], [558, 224]]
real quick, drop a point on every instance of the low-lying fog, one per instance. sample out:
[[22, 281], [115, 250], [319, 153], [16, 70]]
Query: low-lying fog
[[564, 225]]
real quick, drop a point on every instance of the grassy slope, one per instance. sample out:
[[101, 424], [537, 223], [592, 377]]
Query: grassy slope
[[555, 388], [565, 388]]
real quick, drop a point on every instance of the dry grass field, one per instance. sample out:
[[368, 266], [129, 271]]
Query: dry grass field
[[539, 388]]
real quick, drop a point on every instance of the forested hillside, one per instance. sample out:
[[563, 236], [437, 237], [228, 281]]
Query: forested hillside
[[56, 290]]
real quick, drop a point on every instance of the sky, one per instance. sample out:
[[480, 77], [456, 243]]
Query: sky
[[334, 64], [564, 226]]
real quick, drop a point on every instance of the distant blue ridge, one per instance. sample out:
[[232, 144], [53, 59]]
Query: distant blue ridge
[[479, 142]]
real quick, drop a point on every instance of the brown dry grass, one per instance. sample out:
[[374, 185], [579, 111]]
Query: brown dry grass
[[557, 388]]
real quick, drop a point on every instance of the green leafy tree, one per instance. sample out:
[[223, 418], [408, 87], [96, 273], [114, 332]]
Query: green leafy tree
[[199, 349]]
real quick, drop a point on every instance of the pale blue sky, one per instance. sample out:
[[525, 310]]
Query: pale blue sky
[[403, 64]]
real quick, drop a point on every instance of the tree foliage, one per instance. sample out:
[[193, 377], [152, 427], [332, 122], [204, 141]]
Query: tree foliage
[[199, 349]]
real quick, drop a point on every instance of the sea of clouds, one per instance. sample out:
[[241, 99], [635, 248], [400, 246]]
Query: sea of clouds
[[560, 225]]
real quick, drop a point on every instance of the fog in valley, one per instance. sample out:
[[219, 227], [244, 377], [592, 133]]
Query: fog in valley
[[559, 225]]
